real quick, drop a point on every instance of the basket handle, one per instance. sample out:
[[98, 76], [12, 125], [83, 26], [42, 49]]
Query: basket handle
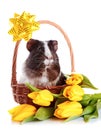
[[13, 78]]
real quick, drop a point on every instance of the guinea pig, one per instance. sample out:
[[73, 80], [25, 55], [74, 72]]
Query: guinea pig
[[42, 68]]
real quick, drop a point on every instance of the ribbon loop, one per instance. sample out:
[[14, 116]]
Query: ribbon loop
[[23, 26]]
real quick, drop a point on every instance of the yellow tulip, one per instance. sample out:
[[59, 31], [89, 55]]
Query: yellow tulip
[[21, 112], [68, 109], [73, 93], [42, 98], [74, 79]]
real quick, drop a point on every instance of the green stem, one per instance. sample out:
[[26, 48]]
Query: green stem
[[31, 87]]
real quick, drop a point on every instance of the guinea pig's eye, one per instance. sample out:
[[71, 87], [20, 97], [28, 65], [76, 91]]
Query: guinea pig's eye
[[40, 49]]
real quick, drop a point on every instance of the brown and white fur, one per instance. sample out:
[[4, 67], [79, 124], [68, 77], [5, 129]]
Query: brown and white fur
[[42, 67]]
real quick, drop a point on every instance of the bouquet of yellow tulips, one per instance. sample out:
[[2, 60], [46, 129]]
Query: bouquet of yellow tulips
[[72, 102]]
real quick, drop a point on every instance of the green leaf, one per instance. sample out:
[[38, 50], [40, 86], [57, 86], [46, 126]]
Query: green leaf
[[93, 101], [44, 113], [31, 87], [90, 99], [99, 104], [86, 83], [96, 96], [29, 119], [57, 95], [84, 103], [90, 116], [86, 99], [88, 109], [59, 100], [95, 113], [71, 118]]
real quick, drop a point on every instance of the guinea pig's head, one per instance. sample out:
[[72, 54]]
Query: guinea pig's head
[[42, 54]]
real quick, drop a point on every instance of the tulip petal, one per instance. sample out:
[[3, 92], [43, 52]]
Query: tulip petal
[[68, 109], [21, 112]]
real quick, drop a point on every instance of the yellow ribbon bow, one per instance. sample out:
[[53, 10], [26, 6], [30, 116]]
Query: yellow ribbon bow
[[22, 26]]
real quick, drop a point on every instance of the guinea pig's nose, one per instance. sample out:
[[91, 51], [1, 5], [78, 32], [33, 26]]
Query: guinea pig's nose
[[49, 57]]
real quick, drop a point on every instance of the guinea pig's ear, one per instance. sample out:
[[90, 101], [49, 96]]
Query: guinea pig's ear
[[30, 44], [55, 44]]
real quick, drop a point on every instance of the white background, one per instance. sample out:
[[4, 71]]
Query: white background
[[81, 20]]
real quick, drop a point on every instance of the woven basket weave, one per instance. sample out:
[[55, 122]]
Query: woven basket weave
[[20, 91]]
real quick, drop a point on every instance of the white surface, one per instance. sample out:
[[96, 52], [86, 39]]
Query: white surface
[[81, 20]]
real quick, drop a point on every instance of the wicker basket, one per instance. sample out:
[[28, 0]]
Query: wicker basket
[[20, 91]]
